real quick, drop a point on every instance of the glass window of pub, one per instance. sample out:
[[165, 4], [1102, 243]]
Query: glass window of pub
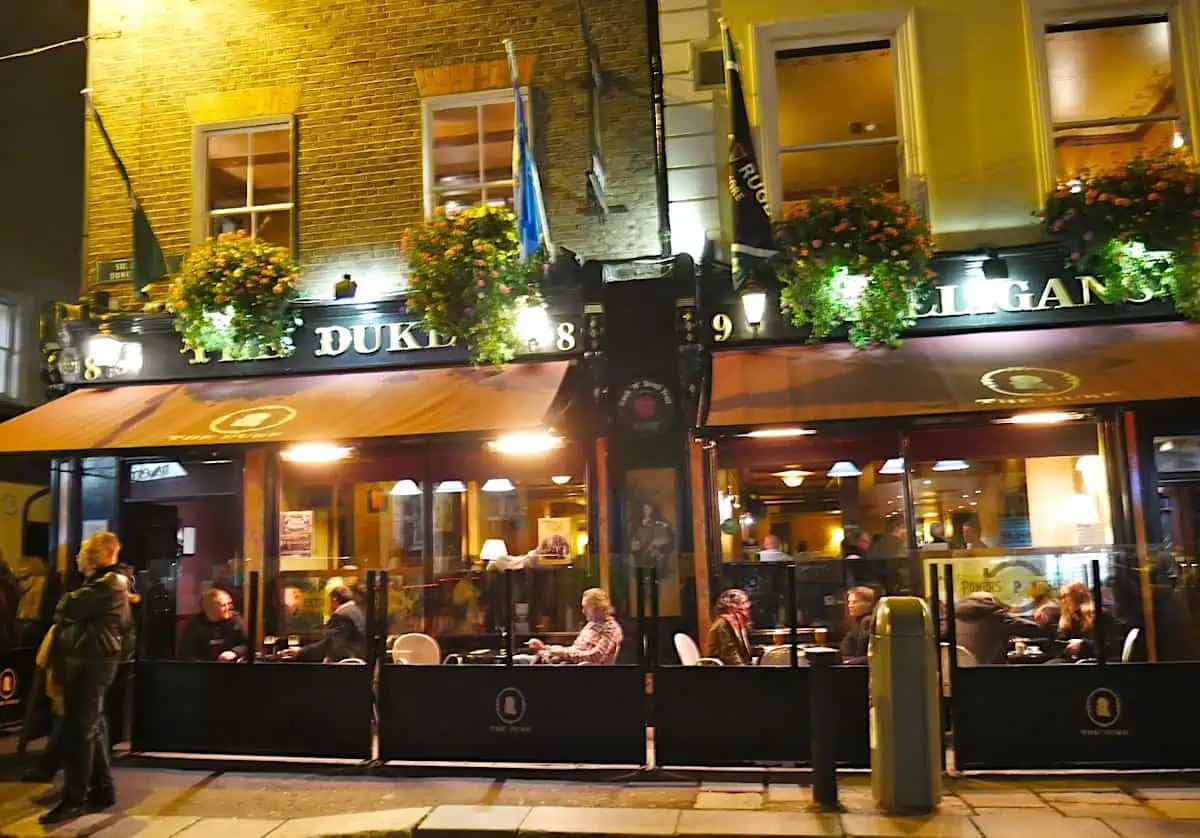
[[442, 522]]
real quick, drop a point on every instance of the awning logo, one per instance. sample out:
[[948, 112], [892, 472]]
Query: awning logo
[[253, 420], [1029, 381], [1103, 707]]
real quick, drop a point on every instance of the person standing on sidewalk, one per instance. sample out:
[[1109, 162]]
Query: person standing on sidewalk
[[93, 625]]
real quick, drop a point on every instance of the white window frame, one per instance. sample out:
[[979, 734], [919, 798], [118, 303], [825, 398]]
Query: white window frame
[[432, 104], [897, 26], [1183, 16], [201, 214], [17, 305]]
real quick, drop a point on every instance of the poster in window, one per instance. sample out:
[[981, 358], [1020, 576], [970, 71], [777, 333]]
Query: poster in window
[[554, 540], [296, 534], [652, 528]]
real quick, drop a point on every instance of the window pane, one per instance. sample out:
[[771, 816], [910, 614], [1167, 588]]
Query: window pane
[[272, 159], [500, 196], [275, 227], [227, 158], [5, 363], [1082, 149], [455, 147], [498, 141], [218, 224], [836, 94], [457, 199], [6, 316], [809, 173], [1109, 72]]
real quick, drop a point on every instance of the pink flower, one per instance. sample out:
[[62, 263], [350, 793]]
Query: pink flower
[[816, 243], [1056, 226], [1088, 235], [481, 283], [1075, 257], [503, 289]]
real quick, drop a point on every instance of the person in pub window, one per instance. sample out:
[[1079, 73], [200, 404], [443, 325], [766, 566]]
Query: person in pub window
[[216, 633], [598, 641], [860, 611], [729, 633], [345, 633]]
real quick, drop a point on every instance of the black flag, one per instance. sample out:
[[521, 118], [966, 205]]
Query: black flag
[[753, 243]]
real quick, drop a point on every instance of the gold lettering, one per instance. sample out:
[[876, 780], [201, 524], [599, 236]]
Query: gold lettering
[[1057, 292], [436, 342], [199, 356], [1090, 286], [1012, 301], [332, 341], [361, 345], [402, 337]]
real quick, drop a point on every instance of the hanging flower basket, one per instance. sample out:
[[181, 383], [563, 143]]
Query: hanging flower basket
[[859, 260], [1135, 227], [236, 295], [467, 281]]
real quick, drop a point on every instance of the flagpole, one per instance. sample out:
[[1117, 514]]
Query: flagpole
[[514, 71]]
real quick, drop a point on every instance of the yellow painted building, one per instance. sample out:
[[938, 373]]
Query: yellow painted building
[[971, 108]]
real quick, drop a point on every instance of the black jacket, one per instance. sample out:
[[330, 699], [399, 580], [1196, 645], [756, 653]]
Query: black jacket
[[857, 640], [94, 621], [983, 625], [345, 636], [204, 640]]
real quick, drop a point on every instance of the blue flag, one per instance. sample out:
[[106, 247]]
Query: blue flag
[[526, 201]]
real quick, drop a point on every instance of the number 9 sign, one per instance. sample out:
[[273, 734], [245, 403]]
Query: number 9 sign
[[722, 327]]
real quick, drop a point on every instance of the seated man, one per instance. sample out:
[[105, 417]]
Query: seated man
[[598, 641], [860, 612], [983, 625], [216, 633], [345, 633]]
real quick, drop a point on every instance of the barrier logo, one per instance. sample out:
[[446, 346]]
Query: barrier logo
[[510, 705], [1103, 707], [252, 420], [8, 684], [1029, 381]]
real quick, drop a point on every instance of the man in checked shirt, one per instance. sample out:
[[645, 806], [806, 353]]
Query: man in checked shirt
[[598, 641]]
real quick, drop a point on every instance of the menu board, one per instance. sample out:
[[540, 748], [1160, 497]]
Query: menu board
[[296, 533]]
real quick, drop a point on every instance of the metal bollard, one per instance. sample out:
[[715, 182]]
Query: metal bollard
[[823, 724]]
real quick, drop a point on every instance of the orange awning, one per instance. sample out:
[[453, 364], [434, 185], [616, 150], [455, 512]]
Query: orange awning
[[314, 408], [981, 371]]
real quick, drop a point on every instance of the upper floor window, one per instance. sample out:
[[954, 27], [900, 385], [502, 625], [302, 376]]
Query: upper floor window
[[248, 182], [469, 150], [837, 119], [9, 350], [1112, 92]]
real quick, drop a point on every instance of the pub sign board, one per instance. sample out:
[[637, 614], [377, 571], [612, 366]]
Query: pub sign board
[[1121, 715], [332, 338], [1039, 291], [121, 270]]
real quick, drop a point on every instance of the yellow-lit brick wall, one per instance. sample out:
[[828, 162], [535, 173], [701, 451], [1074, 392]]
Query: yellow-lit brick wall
[[348, 72]]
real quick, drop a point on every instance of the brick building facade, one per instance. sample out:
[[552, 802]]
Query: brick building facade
[[353, 81]]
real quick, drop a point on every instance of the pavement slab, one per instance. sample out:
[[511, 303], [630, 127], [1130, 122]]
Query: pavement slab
[[1178, 809], [1153, 828], [657, 797], [1105, 811], [1181, 791], [390, 823], [729, 800], [941, 825], [230, 828], [472, 821], [154, 826], [584, 821], [556, 793], [996, 799], [1090, 798], [717, 824], [1018, 824], [29, 827]]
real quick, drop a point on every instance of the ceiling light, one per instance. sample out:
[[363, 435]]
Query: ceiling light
[[560, 479], [844, 468], [779, 433], [498, 484], [893, 466], [1177, 141], [406, 489], [792, 478], [536, 442], [315, 452], [951, 465], [450, 487], [1042, 417]]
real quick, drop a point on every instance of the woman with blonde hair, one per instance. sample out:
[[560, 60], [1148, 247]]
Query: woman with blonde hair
[[1077, 621], [729, 633]]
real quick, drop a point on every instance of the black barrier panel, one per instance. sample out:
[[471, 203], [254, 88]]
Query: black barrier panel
[[575, 714], [755, 715], [16, 677], [269, 709], [1118, 716]]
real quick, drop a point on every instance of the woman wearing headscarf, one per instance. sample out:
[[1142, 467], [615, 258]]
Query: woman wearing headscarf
[[729, 634]]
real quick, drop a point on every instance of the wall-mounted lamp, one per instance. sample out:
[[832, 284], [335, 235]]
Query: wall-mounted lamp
[[754, 305], [345, 288], [995, 266]]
